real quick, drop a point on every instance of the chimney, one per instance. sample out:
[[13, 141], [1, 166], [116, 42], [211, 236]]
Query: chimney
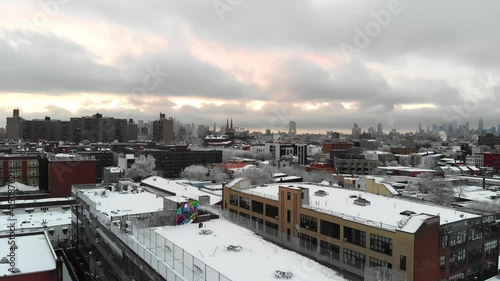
[[15, 112]]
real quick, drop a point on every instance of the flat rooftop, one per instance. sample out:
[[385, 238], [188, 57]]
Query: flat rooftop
[[258, 260], [181, 188], [34, 254], [115, 203], [35, 220], [385, 210]]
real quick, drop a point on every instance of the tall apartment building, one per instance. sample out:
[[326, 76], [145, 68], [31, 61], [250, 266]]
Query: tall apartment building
[[24, 169], [46, 129], [292, 129], [163, 130], [345, 227], [14, 126]]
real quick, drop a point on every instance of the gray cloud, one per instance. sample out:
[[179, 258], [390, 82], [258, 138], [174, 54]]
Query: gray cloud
[[456, 34]]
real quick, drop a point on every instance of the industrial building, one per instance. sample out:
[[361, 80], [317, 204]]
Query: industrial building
[[357, 230]]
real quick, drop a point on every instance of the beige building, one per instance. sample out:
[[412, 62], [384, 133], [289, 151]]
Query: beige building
[[420, 241]]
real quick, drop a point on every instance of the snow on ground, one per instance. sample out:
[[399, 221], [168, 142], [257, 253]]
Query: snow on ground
[[258, 260], [118, 204], [34, 254]]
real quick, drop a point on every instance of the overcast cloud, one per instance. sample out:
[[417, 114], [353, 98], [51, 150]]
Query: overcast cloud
[[262, 62]]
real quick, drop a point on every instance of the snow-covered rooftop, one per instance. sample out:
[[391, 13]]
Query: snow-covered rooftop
[[258, 260], [382, 211], [180, 188], [27, 201], [36, 219], [114, 203], [34, 254], [19, 186]]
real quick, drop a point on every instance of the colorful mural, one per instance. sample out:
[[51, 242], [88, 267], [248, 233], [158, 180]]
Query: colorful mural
[[187, 212]]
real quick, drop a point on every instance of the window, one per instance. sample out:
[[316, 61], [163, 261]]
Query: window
[[458, 238], [330, 229], [379, 263], [457, 258], [457, 277], [271, 225], [329, 250], [308, 239], [233, 211], [308, 222], [288, 216], [245, 203], [272, 211], [476, 234], [32, 172], [354, 258], [288, 196], [245, 215], [442, 262], [233, 200], [402, 262], [490, 247], [381, 244], [354, 236], [257, 207], [444, 241], [44, 209], [33, 163]]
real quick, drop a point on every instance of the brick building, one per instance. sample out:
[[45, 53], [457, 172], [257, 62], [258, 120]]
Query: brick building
[[65, 170], [363, 230], [24, 168]]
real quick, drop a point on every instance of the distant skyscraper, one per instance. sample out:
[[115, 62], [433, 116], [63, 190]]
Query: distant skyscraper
[[480, 127], [379, 129], [163, 129], [292, 129], [14, 126], [356, 131], [420, 128]]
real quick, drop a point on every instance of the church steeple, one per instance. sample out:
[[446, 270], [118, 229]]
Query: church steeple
[[231, 123]]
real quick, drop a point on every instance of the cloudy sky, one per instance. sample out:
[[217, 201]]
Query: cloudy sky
[[324, 64]]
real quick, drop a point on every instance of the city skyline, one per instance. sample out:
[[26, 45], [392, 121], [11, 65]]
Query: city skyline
[[325, 65]]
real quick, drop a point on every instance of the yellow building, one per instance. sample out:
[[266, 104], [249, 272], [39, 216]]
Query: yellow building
[[356, 229]]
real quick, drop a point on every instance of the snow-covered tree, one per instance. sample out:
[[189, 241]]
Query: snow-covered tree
[[143, 167], [195, 172], [256, 176], [218, 175], [263, 156]]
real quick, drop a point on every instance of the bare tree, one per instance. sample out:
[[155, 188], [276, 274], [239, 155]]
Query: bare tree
[[143, 167]]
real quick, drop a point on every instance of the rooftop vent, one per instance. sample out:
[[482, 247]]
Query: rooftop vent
[[16, 270], [361, 202], [353, 196], [321, 193], [407, 213], [4, 260]]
